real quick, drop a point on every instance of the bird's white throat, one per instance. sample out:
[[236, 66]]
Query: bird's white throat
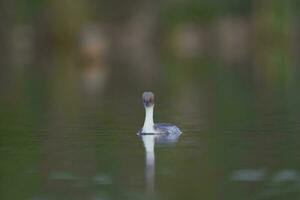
[[149, 124]]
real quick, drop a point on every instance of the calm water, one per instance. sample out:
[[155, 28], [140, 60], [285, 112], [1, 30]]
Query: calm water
[[58, 141]]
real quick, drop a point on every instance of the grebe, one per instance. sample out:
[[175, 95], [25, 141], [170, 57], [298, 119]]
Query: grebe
[[149, 126]]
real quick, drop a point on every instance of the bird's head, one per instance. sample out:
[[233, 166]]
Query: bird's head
[[148, 99]]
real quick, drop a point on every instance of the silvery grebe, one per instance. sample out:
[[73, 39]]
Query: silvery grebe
[[149, 126]]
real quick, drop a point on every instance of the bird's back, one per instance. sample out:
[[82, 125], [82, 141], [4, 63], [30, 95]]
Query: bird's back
[[167, 128]]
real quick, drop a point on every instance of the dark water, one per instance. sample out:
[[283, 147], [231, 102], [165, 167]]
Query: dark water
[[58, 141]]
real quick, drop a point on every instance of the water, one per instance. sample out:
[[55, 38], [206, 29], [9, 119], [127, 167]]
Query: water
[[58, 142]]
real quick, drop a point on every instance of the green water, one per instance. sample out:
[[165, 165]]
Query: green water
[[60, 141]]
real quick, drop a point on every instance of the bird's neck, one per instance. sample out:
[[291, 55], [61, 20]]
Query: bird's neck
[[149, 124]]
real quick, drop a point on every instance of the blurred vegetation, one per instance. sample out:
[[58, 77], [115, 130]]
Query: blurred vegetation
[[253, 35]]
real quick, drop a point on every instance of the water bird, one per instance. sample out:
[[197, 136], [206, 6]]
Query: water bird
[[149, 126]]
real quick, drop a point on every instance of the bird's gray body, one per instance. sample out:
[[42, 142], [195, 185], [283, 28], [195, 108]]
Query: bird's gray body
[[163, 128], [165, 133]]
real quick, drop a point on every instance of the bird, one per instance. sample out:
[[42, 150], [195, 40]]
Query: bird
[[149, 126]]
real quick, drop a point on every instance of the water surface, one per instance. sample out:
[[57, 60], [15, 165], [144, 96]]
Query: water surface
[[62, 143]]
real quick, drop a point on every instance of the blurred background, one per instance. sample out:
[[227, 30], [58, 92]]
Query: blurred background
[[225, 71]]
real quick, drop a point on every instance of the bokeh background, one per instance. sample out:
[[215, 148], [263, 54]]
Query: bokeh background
[[225, 71]]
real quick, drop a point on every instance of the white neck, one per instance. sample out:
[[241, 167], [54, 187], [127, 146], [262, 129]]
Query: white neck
[[149, 124]]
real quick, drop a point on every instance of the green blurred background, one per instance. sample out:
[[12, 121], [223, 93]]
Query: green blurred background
[[149, 42], [225, 71]]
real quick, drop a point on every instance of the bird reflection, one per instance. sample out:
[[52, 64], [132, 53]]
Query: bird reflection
[[149, 141]]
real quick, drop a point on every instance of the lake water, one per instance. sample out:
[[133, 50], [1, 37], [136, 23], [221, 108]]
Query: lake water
[[58, 141]]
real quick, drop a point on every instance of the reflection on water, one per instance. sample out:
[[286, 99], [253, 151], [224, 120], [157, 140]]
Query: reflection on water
[[248, 175], [149, 141], [286, 175], [63, 176]]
